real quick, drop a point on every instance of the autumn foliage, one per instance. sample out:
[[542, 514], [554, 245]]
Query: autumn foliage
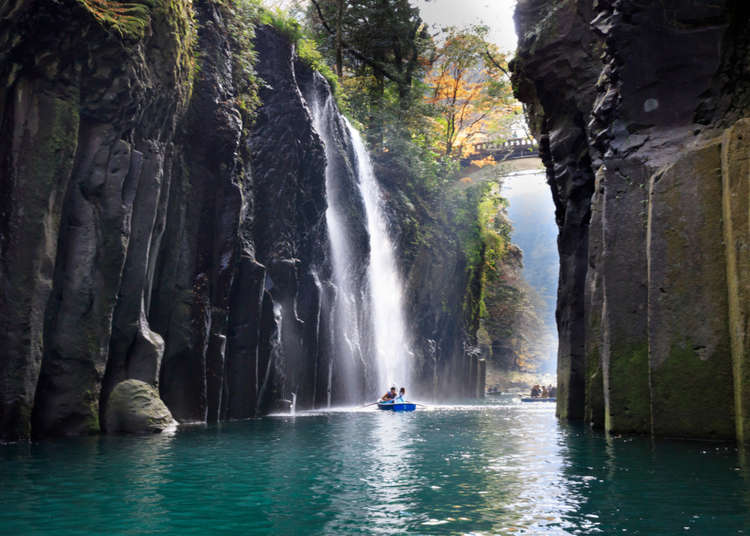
[[469, 91]]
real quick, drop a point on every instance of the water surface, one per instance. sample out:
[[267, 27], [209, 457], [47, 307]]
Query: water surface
[[500, 468]]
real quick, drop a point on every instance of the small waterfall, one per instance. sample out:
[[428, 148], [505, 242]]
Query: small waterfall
[[346, 337], [386, 289], [292, 405]]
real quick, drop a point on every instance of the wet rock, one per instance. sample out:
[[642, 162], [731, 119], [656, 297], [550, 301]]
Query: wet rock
[[40, 141], [134, 407], [128, 213]]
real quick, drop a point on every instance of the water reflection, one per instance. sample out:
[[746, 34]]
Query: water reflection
[[391, 478], [527, 483], [493, 469]]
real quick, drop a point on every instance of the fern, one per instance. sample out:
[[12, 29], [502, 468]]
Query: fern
[[129, 19]]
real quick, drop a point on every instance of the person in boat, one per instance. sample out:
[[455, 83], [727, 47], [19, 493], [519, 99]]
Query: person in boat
[[545, 392], [389, 395], [536, 391], [401, 398]]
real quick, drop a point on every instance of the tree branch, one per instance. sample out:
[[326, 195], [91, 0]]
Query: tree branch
[[494, 62]]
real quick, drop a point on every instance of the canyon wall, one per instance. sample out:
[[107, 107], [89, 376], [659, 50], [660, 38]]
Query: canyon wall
[[641, 110], [163, 202]]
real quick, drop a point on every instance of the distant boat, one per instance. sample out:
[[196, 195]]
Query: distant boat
[[397, 406], [537, 399]]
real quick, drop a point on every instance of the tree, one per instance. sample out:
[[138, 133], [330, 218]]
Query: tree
[[378, 47], [469, 89]]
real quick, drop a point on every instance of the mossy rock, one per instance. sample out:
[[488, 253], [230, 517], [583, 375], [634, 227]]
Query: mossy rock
[[134, 407]]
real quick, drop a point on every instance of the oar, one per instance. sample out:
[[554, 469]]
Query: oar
[[410, 402], [368, 405]]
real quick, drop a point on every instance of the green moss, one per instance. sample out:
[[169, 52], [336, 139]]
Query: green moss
[[562, 410], [178, 19], [594, 403], [55, 149], [594, 389], [91, 423], [174, 32], [484, 235], [735, 210], [241, 17], [692, 397], [629, 406]]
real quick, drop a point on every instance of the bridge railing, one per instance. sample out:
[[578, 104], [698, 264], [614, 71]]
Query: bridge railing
[[513, 144]]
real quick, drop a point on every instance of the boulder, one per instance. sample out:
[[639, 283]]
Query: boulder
[[135, 407]]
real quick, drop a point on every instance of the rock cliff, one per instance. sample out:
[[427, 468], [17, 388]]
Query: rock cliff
[[639, 107], [150, 229]]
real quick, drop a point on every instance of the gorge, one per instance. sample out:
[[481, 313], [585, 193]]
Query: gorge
[[227, 228], [152, 230], [182, 203]]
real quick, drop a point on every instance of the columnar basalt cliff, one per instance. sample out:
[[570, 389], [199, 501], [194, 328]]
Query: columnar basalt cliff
[[150, 230], [154, 227], [641, 110]]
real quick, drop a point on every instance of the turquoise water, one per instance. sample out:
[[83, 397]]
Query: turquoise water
[[502, 468]]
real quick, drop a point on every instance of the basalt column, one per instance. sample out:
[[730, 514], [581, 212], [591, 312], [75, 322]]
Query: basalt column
[[655, 338]]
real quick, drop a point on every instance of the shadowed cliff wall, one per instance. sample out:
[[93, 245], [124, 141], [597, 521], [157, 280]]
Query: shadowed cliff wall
[[638, 107], [150, 229]]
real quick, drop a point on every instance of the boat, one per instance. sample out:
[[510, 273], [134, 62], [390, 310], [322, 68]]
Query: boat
[[537, 399], [397, 406]]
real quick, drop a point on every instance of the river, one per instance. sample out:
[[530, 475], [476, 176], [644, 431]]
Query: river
[[498, 468]]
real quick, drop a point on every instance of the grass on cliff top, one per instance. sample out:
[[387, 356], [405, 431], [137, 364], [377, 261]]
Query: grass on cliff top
[[242, 17], [305, 45]]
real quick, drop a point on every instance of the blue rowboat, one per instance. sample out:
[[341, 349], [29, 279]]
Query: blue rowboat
[[397, 406], [538, 399]]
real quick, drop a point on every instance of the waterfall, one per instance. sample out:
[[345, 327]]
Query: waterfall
[[386, 289], [346, 337], [367, 314]]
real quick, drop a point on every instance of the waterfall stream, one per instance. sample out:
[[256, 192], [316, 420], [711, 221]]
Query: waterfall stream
[[367, 320], [386, 289], [346, 335]]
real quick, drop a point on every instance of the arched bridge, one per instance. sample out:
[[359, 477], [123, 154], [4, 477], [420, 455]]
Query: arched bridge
[[511, 149]]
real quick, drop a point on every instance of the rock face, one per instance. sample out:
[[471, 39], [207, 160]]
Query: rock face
[[155, 228], [442, 260], [146, 232], [134, 407], [85, 131], [638, 107]]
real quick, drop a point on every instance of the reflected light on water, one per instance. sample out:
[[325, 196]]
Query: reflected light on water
[[495, 468]]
